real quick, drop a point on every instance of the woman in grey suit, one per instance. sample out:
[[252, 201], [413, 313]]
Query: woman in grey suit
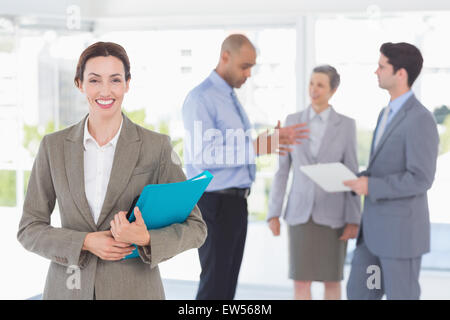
[[319, 223], [94, 170]]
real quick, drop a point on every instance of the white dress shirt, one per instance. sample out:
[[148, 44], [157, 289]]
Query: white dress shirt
[[98, 163], [317, 126]]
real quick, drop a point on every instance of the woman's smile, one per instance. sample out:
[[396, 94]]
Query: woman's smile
[[105, 103]]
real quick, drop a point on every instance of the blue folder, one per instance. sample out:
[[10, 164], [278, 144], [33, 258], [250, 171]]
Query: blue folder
[[164, 204]]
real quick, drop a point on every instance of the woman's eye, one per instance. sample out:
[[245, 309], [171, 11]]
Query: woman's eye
[[92, 81], [116, 80]]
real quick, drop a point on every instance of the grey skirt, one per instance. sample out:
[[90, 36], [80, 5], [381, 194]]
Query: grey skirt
[[316, 253]]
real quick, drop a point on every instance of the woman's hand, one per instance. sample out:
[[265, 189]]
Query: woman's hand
[[350, 232], [135, 232], [103, 245], [274, 226]]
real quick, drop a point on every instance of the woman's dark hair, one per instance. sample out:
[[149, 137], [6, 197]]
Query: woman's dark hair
[[102, 49], [403, 55]]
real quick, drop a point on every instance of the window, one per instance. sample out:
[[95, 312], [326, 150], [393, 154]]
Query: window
[[168, 64]]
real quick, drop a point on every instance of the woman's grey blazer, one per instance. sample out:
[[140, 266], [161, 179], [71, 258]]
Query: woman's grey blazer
[[142, 157], [330, 209]]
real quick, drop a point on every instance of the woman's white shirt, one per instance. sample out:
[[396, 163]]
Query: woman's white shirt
[[98, 163], [317, 126]]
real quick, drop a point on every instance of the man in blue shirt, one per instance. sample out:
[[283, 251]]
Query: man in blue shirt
[[395, 227], [219, 140]]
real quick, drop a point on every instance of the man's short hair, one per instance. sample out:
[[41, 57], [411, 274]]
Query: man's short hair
[[403, 55], [234, 42]]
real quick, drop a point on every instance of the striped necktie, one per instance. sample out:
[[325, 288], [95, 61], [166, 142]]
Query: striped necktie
[[241, 111]]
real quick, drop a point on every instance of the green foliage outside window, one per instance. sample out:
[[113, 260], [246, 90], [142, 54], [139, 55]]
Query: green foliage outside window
[[26, 179], [441, 114], [33, 134], [7, 188], [138, 117], [364, 138], [445, 137]]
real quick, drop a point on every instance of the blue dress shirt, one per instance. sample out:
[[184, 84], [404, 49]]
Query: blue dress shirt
[[218, 135], [396, 105]]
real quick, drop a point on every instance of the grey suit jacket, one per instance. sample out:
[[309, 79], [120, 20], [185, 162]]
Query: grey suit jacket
[[142, 157], [305, 197], [395, 220]]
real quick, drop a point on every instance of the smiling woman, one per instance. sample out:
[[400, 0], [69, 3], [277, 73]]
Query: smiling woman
[[90, 169], [106, 68]]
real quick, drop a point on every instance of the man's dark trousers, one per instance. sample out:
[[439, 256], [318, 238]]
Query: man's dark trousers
[[220, 256]]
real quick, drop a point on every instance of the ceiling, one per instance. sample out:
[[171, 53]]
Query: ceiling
[[184, 13]]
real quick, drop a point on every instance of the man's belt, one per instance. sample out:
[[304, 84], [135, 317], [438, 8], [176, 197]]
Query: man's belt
[[237, 192]]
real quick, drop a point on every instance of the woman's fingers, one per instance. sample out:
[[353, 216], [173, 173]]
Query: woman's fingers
[[113, 228], [274, 226], [114, 257], [120, 244], [277, 230], [117, 220], [113, 243], [123, 217], [346, 235], [120, 250], [107, 248]]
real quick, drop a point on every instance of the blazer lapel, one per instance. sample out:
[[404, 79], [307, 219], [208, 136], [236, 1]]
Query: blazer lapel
[[74, 164], [392, 126], [380, 116], [330, 133], [304, 146], [125, 160]]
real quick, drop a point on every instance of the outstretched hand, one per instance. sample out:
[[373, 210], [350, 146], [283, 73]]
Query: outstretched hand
[[281, 139], [293, 134]]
